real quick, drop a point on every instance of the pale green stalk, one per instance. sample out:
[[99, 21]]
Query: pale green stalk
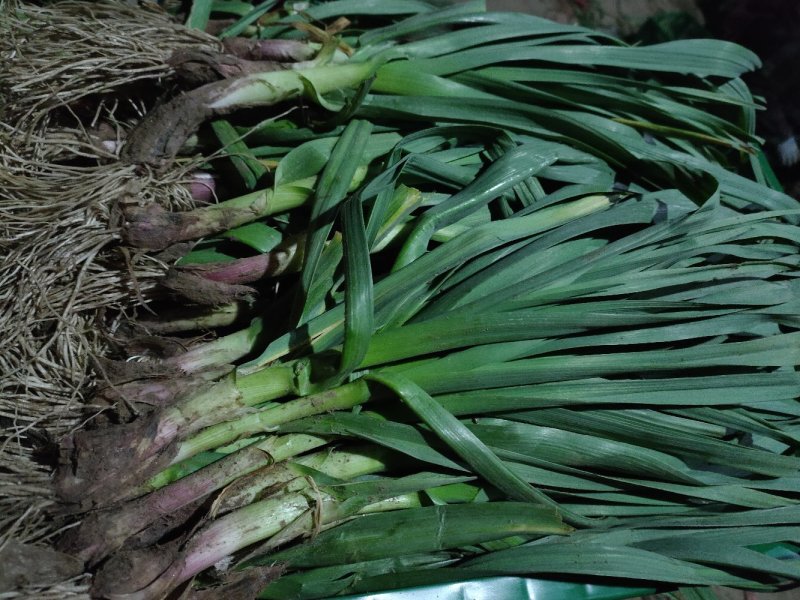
[[341, 398]]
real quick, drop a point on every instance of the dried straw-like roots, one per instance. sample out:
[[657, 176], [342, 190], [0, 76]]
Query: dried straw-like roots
[[63, 275], [57, 60], [62, 272], [61, 267], [71, 77]]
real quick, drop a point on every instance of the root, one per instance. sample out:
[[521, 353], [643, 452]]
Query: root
[[75, 78], [31, 569], [61, 273], [57, 56]]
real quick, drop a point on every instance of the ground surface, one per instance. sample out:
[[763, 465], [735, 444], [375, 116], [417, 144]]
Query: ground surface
[[620, 16]]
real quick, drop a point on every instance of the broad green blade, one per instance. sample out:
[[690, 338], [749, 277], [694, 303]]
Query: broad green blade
[[199, 14], [403, 438], [643, 428], [251, 17], [725, 390], [498, 366], [325, 331], [245, 165], [509, 170], [331, 190], [465, 444], [700, 57], [591, 559], [358, 302], [427, 529]]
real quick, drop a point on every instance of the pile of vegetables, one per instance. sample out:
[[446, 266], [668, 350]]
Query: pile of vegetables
[[376, 294]]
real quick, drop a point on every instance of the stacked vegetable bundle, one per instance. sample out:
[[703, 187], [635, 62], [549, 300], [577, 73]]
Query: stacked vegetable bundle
[[496, 306]]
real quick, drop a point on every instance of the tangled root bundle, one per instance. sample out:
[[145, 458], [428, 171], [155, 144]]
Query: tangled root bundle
[[62, 270], [72, 76], [57, 63], [62, 266]]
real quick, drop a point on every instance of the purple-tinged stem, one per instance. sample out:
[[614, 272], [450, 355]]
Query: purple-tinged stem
[[204, 318], [160, 135], [155, 228], [286, 259], [102, 466], [242, 528], [221, 351], [281, 50], [105, 531]]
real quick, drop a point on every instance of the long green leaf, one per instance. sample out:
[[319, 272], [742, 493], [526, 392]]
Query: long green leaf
[[590, 559], [331, 190], [425, 529], [358, 320], [465, 444]]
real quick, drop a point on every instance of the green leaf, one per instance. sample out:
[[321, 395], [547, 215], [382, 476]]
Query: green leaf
[[258, 235], [331, 190], [358, 319], [393, 290], [426, 529], [397, 436], [644, 429], [697, 57], [727, 550], [199, 13], [725, 390], [322, 582], [592, 453], [464, 443], [460, 371], [234, 7], [503, 174], [338, 8], [306, 160], [461, 328], [593, 558], [248, 19], [248, 169]]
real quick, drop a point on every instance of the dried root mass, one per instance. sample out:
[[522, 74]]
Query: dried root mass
[[63, 275], [52, 57]]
